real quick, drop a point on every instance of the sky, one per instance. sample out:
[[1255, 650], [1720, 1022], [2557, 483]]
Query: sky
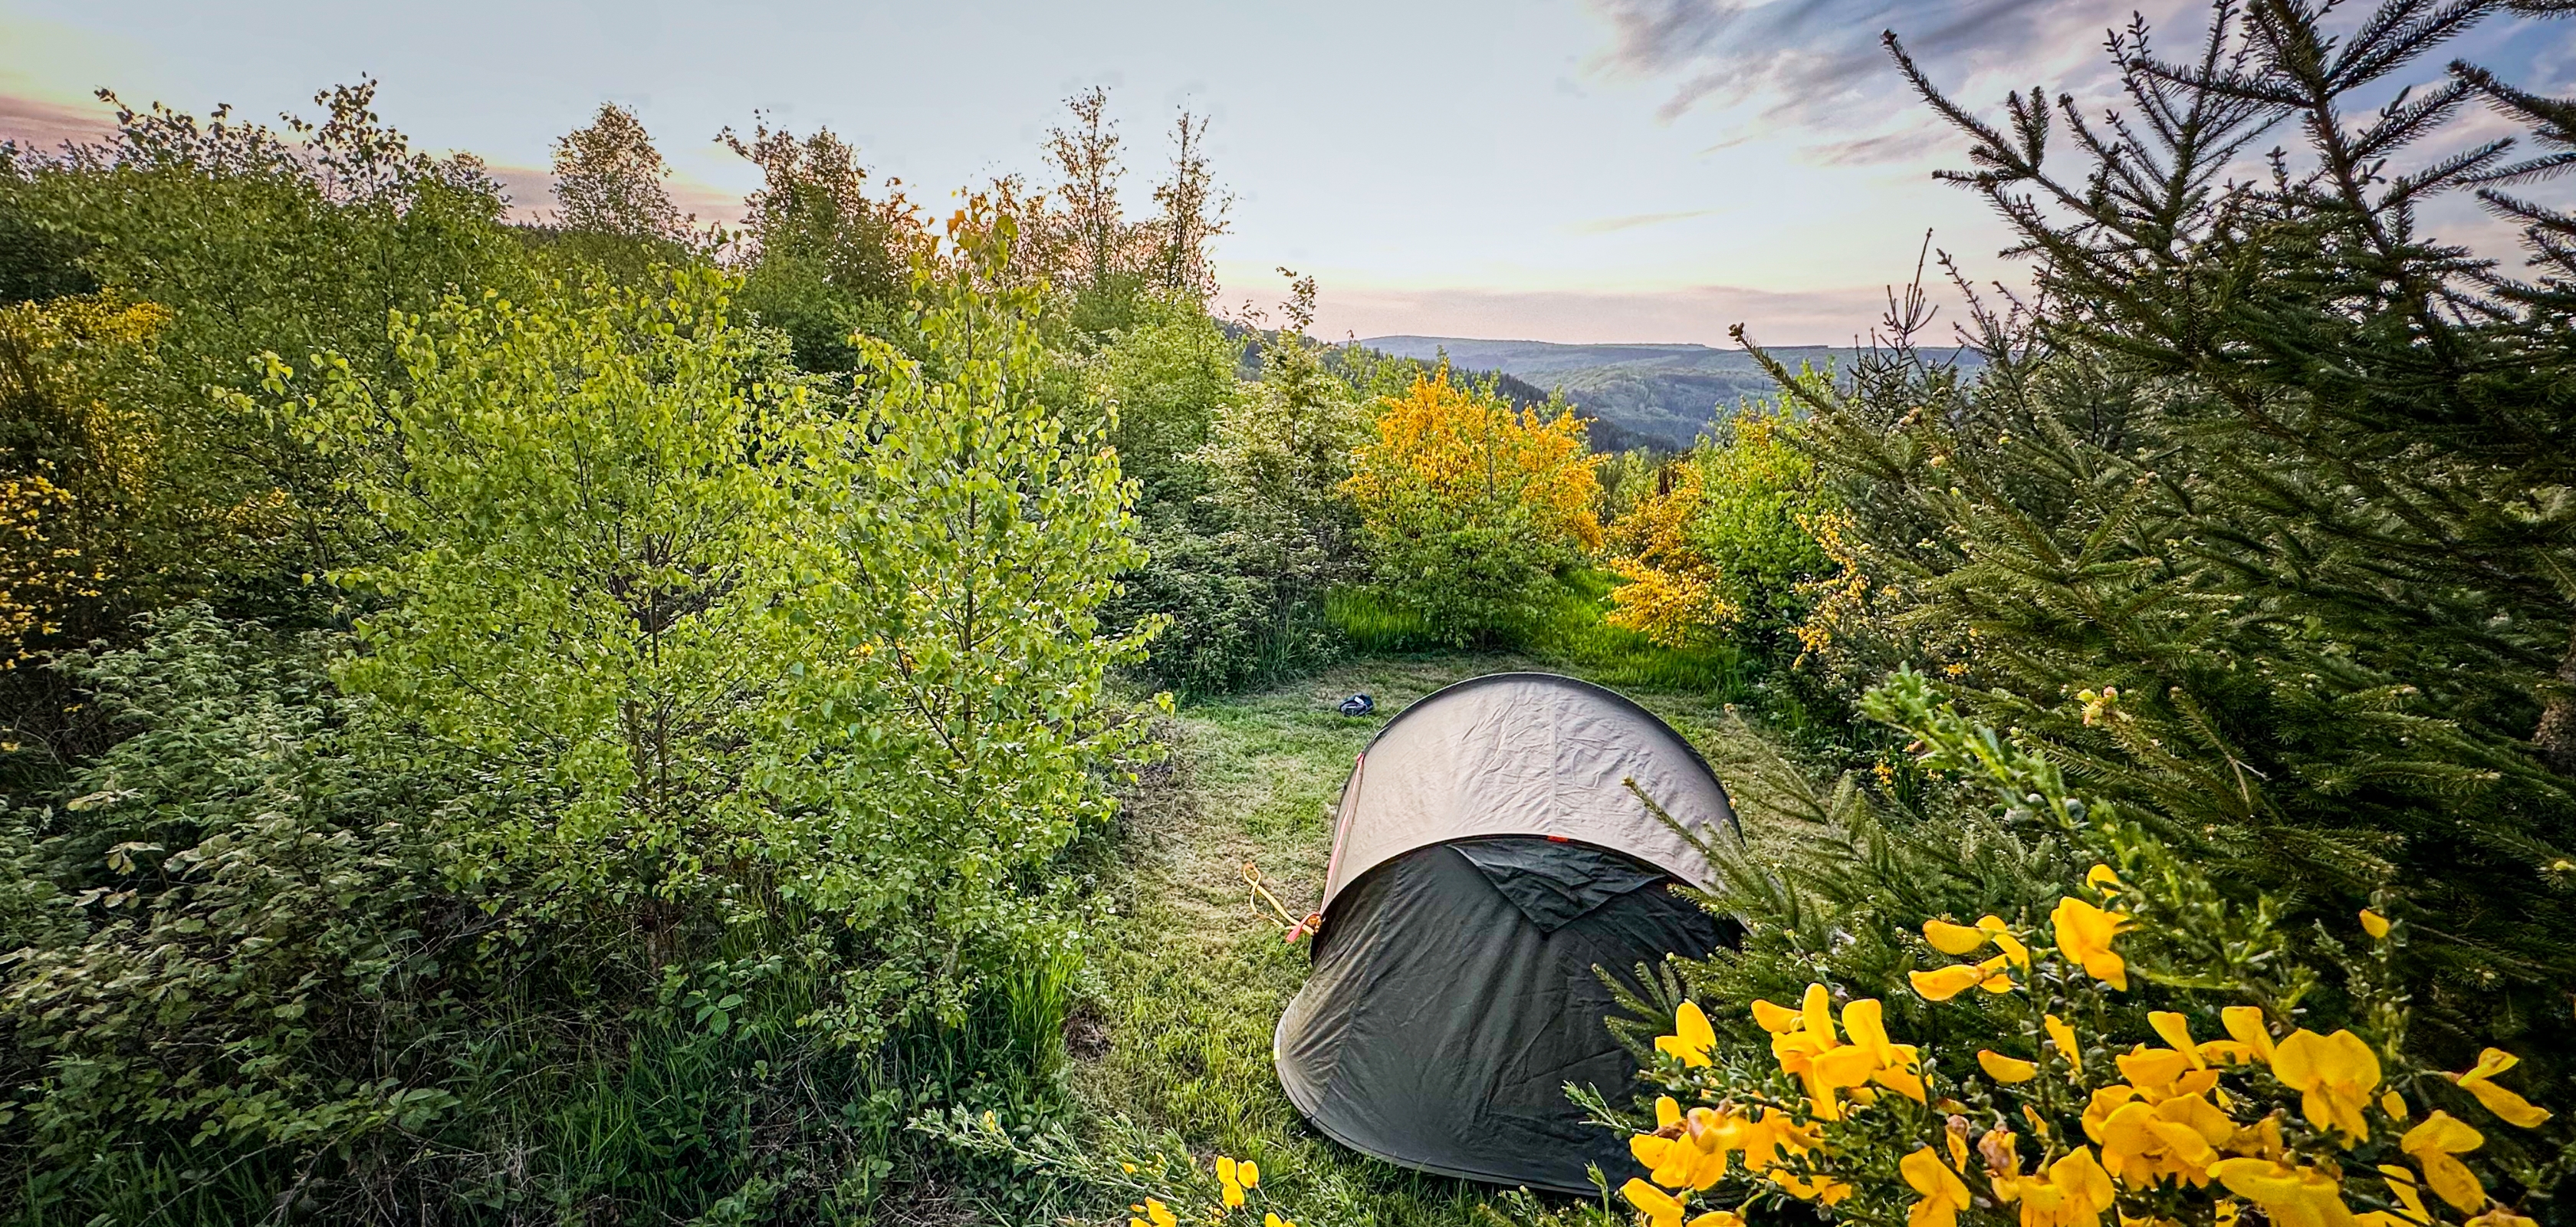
[[1560, 170]]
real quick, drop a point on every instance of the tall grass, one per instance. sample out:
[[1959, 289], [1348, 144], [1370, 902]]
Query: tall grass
[[1567, 631]]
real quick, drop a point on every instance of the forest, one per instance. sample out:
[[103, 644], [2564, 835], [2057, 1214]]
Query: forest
[[616, 719]]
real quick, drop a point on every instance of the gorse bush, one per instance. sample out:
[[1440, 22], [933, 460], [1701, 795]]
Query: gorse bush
[[2064, 1094], [1471, 506], [1721, 548]]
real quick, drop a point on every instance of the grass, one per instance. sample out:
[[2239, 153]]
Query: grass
[[1191, 979]]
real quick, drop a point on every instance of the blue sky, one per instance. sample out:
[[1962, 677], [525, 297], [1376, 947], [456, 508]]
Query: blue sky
[[1578, 170]]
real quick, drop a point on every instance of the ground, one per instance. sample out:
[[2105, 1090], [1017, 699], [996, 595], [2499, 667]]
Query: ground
[[1193, 977]]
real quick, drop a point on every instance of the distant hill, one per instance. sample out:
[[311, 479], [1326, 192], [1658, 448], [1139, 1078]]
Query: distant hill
[[1663, 394]]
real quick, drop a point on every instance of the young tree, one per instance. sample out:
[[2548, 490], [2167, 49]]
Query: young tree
[[1192, 215], [948, 730], [827, 259], [594, 522], [608, 181]]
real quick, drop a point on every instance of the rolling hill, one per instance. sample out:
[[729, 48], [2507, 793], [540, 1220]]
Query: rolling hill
[[1661, 394]]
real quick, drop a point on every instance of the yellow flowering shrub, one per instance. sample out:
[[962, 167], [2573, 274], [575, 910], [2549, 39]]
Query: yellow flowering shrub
[[2145, 1053], [1470, 506], [1722, 543]]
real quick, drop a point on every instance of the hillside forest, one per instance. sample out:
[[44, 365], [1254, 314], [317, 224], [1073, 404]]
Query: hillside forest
[[613, 719]]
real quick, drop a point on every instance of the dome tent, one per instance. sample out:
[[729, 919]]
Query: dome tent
[[1487, 856]]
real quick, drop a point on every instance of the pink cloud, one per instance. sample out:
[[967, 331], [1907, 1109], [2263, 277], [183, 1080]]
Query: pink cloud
[[37, 124]]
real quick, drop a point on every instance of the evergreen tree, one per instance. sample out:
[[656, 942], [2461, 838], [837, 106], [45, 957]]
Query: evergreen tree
[[2258, 510]]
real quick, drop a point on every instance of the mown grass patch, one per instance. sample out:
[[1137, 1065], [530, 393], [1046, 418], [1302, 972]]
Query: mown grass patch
[[1191, 979]]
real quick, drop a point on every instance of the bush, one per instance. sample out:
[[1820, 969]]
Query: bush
[[1722, 545], [2312, 1103], [1471, 507]]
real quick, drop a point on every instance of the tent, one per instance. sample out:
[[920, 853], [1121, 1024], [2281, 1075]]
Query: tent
[[1487, 856]]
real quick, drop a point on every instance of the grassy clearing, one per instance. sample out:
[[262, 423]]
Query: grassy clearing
[[1191, 980]]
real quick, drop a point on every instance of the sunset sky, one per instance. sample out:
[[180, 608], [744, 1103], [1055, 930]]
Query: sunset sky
[[1620, 170]]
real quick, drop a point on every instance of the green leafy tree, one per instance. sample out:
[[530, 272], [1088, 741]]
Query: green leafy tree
[[593, 511], [827, 259], [946, 731]]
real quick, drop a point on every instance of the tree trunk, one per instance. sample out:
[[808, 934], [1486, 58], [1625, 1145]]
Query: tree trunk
[[2555, 739]]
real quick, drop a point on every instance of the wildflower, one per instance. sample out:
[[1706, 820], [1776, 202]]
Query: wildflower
[[2144, 1143], [1809, 1050], [2101, 878], [2394, 1105], [1156, 1215], [2401, 1185], [2289, 1196], [1693, 1041], [2335, 1075], [1943, 983], [2512, 1108], [1231, 1188], [2501, 1217], [2374, 924], [1953, 939], [1895, 1066], [1683, 1153], [2006, 1069], [2260, 1140], [1824, 1189], [1943, 1193], [2436, 1146], [2072, 1193], [1661, 1209], [2064, 1037], [2084, 932], [1993, 926], [2245, 1023], [1773, 1018]]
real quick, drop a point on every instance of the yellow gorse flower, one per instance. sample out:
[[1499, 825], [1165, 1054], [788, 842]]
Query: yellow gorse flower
[[2435, 1146], [2004, 1069], [1693, 1040], [1943, 1194], [2073, 1192], [2401, 1185], [2064, 1037], [1805, 1043], [2084, 933], [2511, 1108], [2289, 1196], [2336, 1076]]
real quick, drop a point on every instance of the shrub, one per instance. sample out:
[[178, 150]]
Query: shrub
[[1723, 541], [1471, 506], [2068, 1110]]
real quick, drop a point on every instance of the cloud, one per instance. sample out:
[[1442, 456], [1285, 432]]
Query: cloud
[[37, 124], [1833, 316], [1608, 225], [1818, 63]]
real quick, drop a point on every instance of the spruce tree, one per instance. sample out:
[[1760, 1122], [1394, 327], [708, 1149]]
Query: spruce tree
[[2262, 511]]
